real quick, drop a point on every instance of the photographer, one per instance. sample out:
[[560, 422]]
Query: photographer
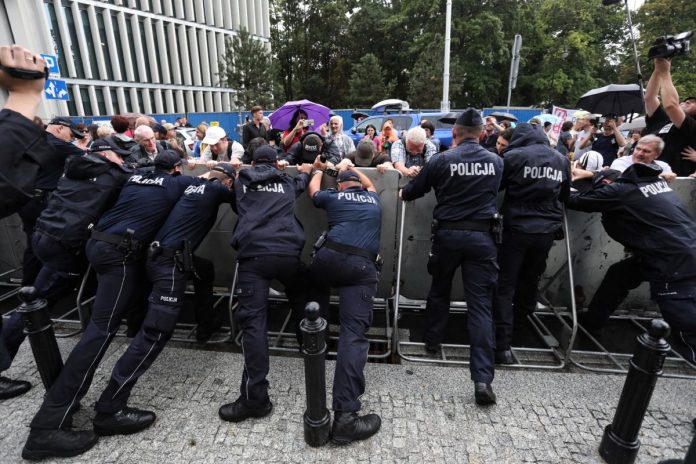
[[672, 121], [608, 141]]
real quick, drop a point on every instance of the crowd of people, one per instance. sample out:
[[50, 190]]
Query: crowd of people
[[120, 203]]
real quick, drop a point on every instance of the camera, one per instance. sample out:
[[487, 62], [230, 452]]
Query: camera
[[671, 45], [308, 122]]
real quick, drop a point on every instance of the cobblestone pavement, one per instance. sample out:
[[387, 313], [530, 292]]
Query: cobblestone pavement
[[428, 415]]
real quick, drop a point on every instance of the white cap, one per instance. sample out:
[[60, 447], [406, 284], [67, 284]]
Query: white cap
[[213, 135]]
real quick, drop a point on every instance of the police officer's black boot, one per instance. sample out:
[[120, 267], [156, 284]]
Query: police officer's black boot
[[42, 444], [483, 393], [504, 357], [123, 422], [239, 410], [10, 388], [349, 427]]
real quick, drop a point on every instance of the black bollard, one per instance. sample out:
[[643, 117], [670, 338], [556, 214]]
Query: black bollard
[[620, 441], [39, 328], [317, 420]]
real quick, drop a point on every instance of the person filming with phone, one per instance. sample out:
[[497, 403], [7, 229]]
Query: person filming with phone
[[299, 125]]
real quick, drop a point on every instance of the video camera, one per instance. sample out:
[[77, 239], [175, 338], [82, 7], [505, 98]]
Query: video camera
[[671, 45]]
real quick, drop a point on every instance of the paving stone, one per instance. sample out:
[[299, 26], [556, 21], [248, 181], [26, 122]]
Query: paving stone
[[428, 416]]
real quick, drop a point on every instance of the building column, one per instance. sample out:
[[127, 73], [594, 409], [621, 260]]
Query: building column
[[169, 97], [185, 58], [94, 104], [96, 39], [195, 57], [112, 46], [108, 101], [159, 105], [152, 46], [203, 52], [125, 46]]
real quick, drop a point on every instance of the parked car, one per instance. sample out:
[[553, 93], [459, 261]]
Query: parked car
[[185, 137], [405, 121]]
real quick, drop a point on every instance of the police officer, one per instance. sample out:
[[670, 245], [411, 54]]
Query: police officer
[[640, 211], [169, 265], [60, 133], [91, 184], [466, 181], [536, 180], [116, 252], [24, 150], [347, 260], [268, 239]]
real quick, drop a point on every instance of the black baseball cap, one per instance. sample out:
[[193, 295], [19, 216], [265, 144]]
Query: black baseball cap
[[311, 146], [108, 144], [168, 159], [470, 118], [61, 121], [348, 176], [265, 154], [226, 168]]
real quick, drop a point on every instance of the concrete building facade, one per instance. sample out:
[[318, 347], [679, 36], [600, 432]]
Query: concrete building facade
[[149, 56]]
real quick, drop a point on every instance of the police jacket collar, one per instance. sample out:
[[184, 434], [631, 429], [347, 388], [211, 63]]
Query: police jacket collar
[[639, 172], [259, 173], [525, 134]]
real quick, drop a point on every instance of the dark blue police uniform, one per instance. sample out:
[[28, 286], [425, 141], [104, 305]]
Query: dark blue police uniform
[[346, 261], [46, 182], [168, 269], [536, 179], [269, 240], [641, 212], [466, 181], [115, 251], [90, 185]]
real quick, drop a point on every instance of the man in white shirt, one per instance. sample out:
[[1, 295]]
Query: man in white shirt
[[221, 148], [647, 151]]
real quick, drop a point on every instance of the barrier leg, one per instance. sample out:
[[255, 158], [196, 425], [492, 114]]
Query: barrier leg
[[317, 420], [39, 329], [620, 442]]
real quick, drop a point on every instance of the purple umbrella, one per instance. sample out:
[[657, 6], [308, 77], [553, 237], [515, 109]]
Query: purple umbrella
[[280, 118]]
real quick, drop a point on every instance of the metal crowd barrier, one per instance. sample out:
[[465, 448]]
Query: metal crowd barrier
[[575, 267]]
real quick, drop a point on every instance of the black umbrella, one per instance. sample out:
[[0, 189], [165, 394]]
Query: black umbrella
[[501, 116], [613, 99]]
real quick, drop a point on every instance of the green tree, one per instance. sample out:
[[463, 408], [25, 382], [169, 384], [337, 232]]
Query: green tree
[[247, 68], [367, 83]]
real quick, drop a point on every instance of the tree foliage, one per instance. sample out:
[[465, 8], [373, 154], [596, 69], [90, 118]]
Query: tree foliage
[[247, 68], [567, 48], [367, 83]]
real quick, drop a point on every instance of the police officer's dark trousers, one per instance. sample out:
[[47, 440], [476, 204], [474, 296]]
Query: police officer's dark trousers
[[56, 279], [475, 253], [116, 273], [254, 278], [11, 337], [522, 261], [165, 302], [620, 278], [29, 213], [355, 278], [677, 302], [61, 269]]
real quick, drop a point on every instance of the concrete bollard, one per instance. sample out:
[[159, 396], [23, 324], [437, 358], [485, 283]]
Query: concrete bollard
[[39, 328], [317, 420], [620, 442]]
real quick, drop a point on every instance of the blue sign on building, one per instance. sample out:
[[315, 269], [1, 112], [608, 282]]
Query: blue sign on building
[[52, 64], [55, 89]]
